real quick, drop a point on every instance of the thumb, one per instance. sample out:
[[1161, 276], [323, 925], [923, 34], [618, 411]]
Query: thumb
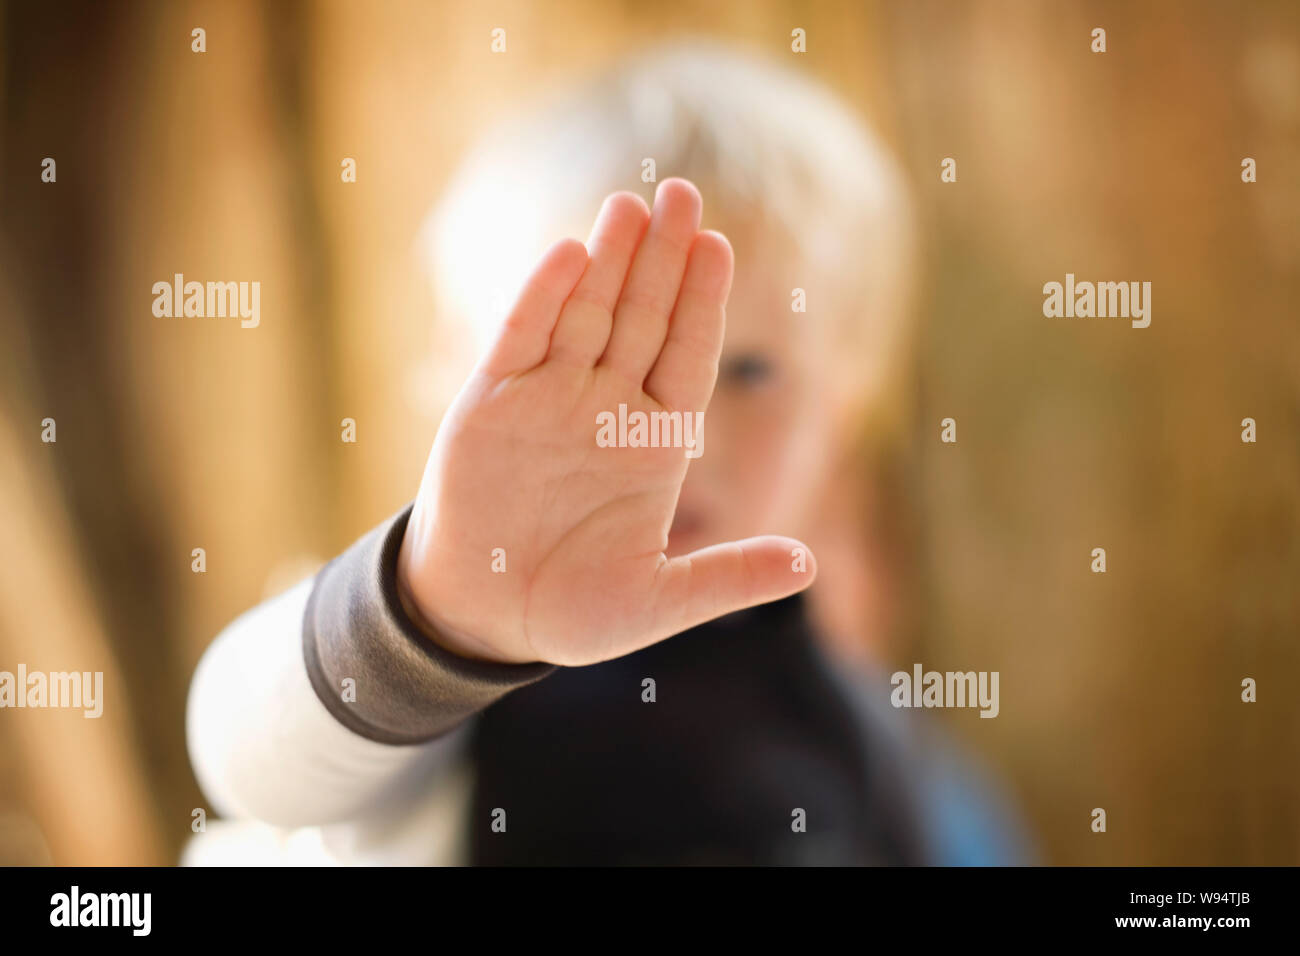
[[723, 578]]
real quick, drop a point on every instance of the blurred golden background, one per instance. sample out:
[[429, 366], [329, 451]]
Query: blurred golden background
[[1121, 690]]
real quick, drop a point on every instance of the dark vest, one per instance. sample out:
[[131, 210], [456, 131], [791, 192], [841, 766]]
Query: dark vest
[[747, 727]]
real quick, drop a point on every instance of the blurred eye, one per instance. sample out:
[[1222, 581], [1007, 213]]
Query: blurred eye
[[747, 371]]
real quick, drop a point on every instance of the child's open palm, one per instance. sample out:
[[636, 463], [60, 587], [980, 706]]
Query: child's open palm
[[529, 541]]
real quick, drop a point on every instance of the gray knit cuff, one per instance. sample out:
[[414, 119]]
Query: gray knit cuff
[[406, 689]]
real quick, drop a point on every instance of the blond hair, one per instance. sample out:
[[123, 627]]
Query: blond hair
[[768, 147]]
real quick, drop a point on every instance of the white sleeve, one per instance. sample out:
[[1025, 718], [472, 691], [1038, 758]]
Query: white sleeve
[[264, 747]]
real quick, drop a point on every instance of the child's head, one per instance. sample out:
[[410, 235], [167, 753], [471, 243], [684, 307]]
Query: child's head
[[810, 202]]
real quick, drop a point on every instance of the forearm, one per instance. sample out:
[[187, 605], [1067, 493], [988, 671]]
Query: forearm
[[326, 701]]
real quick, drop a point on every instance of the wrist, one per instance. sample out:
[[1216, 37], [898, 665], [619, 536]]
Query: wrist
[[446, 637]]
